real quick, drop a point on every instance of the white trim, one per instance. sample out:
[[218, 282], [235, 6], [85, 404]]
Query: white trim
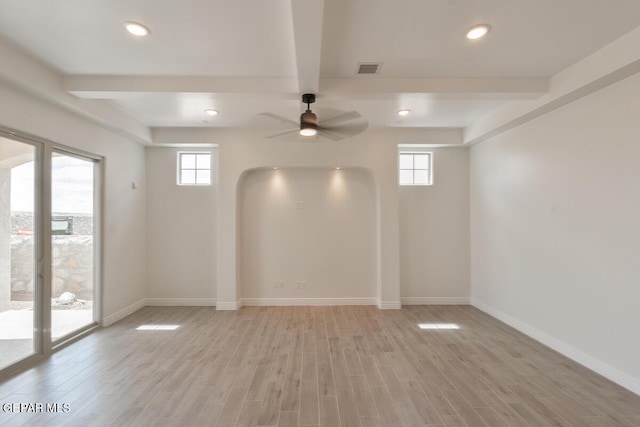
[[414, 152], [119, 315], [228, 305], [607, 371], [434, 300], [181, 302], [307, 301], [389, 305], [179, 168]]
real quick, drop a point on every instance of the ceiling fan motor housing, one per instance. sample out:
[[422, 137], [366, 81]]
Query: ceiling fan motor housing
[[308, 98], [309, 120]]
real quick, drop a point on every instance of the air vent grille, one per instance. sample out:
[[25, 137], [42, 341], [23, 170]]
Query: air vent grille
[[369, 67]]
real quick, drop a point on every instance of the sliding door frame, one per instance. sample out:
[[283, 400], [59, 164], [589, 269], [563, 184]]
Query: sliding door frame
[[42, 342], [97, 162], [39, 248]]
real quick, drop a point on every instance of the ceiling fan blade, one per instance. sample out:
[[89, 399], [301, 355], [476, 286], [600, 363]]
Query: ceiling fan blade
[[330, 134], [282, 133], [347, 130], [339, 125], [351, 115], [270, 121]]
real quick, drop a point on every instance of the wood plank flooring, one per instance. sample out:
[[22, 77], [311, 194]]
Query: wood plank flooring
[[315, 366]]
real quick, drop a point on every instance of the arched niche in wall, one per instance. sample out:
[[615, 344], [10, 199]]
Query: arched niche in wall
[[307, 235]]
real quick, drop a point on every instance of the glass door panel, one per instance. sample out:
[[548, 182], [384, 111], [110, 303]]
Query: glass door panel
[[18, 280], [72, 244]]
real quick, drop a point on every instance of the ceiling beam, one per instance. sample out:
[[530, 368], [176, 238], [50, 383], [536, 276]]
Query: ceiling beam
[[35, 78], [112, 87], [307, 35], [617, 61], [370, 87]]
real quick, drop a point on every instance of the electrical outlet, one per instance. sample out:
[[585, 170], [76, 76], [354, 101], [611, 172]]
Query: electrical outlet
[[278, 284], [302, 284]]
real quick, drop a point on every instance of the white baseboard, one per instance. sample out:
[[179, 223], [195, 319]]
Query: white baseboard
[[389, 305], [307, 301], [228, 305], [435, 300], [607, 371], [119, 315], [181, 302]]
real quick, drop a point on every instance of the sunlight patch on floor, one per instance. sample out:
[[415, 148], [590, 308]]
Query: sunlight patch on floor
[[438, 326], [157, 327]]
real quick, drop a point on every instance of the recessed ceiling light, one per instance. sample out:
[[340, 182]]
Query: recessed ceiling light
[[404, 112], [338, 168], [478, 31], [136, 28], [211, 112]]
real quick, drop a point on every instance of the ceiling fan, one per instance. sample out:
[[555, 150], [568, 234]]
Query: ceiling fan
[[335, 124]]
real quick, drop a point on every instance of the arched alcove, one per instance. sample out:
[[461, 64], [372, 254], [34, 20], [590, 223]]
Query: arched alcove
[[307, 235]]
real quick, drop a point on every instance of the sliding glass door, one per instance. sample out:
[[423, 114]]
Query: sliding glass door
[[49, 248], [72, 243], [18, 250]]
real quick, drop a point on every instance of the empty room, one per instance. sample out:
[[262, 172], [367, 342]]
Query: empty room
[[319, 213]]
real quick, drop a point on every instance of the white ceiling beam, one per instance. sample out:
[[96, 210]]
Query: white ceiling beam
[[370, 87], [113, 87], [307, 35], [118, 87], [614, 62], [31, 76]]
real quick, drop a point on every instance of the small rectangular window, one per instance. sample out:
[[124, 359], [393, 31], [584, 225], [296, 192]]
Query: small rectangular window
[[415, 168], [194, 168]]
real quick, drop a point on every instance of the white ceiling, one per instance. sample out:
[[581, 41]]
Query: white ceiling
[[418, 38], [244, 57], [190, 38]]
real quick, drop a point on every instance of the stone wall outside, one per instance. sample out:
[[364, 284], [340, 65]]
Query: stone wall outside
[[72, 258]]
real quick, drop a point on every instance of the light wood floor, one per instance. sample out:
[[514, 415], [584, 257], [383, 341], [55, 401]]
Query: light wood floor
[[322, 366]]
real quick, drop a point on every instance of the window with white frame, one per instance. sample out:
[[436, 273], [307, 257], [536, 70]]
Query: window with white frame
[[415, 168], [194, 168]]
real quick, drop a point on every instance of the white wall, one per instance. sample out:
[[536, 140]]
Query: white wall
[[244, 151], [330, 243], [124, 215], [181, 255], [374, 151], [555, 217], [434, 233]]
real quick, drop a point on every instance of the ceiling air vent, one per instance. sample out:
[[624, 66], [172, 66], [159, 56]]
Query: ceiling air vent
[[369, 67]]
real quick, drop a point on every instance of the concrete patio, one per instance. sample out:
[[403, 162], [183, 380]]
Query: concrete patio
[[16, 329]]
